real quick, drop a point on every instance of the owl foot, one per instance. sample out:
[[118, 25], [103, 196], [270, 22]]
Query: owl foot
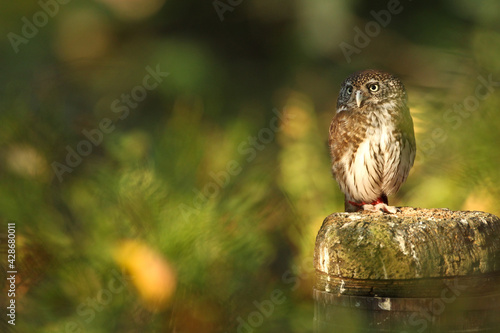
[[380, 207], [386, 208], [376, 206], [370, 208]]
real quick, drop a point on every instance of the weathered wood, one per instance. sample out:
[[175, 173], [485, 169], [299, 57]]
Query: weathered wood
[[344, 313], [421, 270]]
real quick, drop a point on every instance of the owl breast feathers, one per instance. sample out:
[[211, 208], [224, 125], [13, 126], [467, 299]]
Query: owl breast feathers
[[371, 140]]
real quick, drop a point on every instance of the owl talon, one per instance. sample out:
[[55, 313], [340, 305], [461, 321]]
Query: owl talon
[[386, 208], [370, 208], [380, 208]]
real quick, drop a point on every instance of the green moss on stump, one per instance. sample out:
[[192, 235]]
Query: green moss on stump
[[413, 244]]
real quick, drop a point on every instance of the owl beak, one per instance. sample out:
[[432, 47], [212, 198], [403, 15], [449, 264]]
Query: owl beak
[[359, 98]]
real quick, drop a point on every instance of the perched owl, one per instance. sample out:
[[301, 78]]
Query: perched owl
[[371, 140]]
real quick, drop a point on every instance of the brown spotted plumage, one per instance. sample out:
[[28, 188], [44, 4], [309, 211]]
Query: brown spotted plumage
[[371, 140]]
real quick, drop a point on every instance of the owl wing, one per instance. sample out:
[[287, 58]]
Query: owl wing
[[401, 155], [407, 125], [338, 140], [408, 135], [347, 133]]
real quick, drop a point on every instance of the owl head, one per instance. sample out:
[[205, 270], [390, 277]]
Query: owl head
[[370, 88]]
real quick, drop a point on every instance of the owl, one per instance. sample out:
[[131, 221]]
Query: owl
[[371, 140]]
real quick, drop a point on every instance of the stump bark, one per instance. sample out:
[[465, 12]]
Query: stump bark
[[420, 270]]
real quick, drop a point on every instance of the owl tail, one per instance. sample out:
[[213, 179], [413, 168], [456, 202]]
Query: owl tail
[[348, 207]]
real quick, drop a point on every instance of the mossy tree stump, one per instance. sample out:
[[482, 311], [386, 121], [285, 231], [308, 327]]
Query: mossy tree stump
[[420, 270]]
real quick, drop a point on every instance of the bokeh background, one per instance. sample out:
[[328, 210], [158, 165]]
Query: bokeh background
[[197, 210]]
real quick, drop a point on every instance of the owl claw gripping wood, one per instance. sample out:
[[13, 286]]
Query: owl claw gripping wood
[[371, 140]]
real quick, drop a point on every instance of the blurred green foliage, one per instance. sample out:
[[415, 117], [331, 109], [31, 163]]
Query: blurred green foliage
[[221, 173]]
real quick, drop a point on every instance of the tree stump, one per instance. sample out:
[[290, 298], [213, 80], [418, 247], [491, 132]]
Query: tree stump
[[420, 270]]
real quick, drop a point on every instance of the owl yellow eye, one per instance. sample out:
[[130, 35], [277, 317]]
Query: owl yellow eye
[[373, 87], [349, 90]]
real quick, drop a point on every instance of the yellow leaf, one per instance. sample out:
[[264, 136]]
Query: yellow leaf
[[152, 275]]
